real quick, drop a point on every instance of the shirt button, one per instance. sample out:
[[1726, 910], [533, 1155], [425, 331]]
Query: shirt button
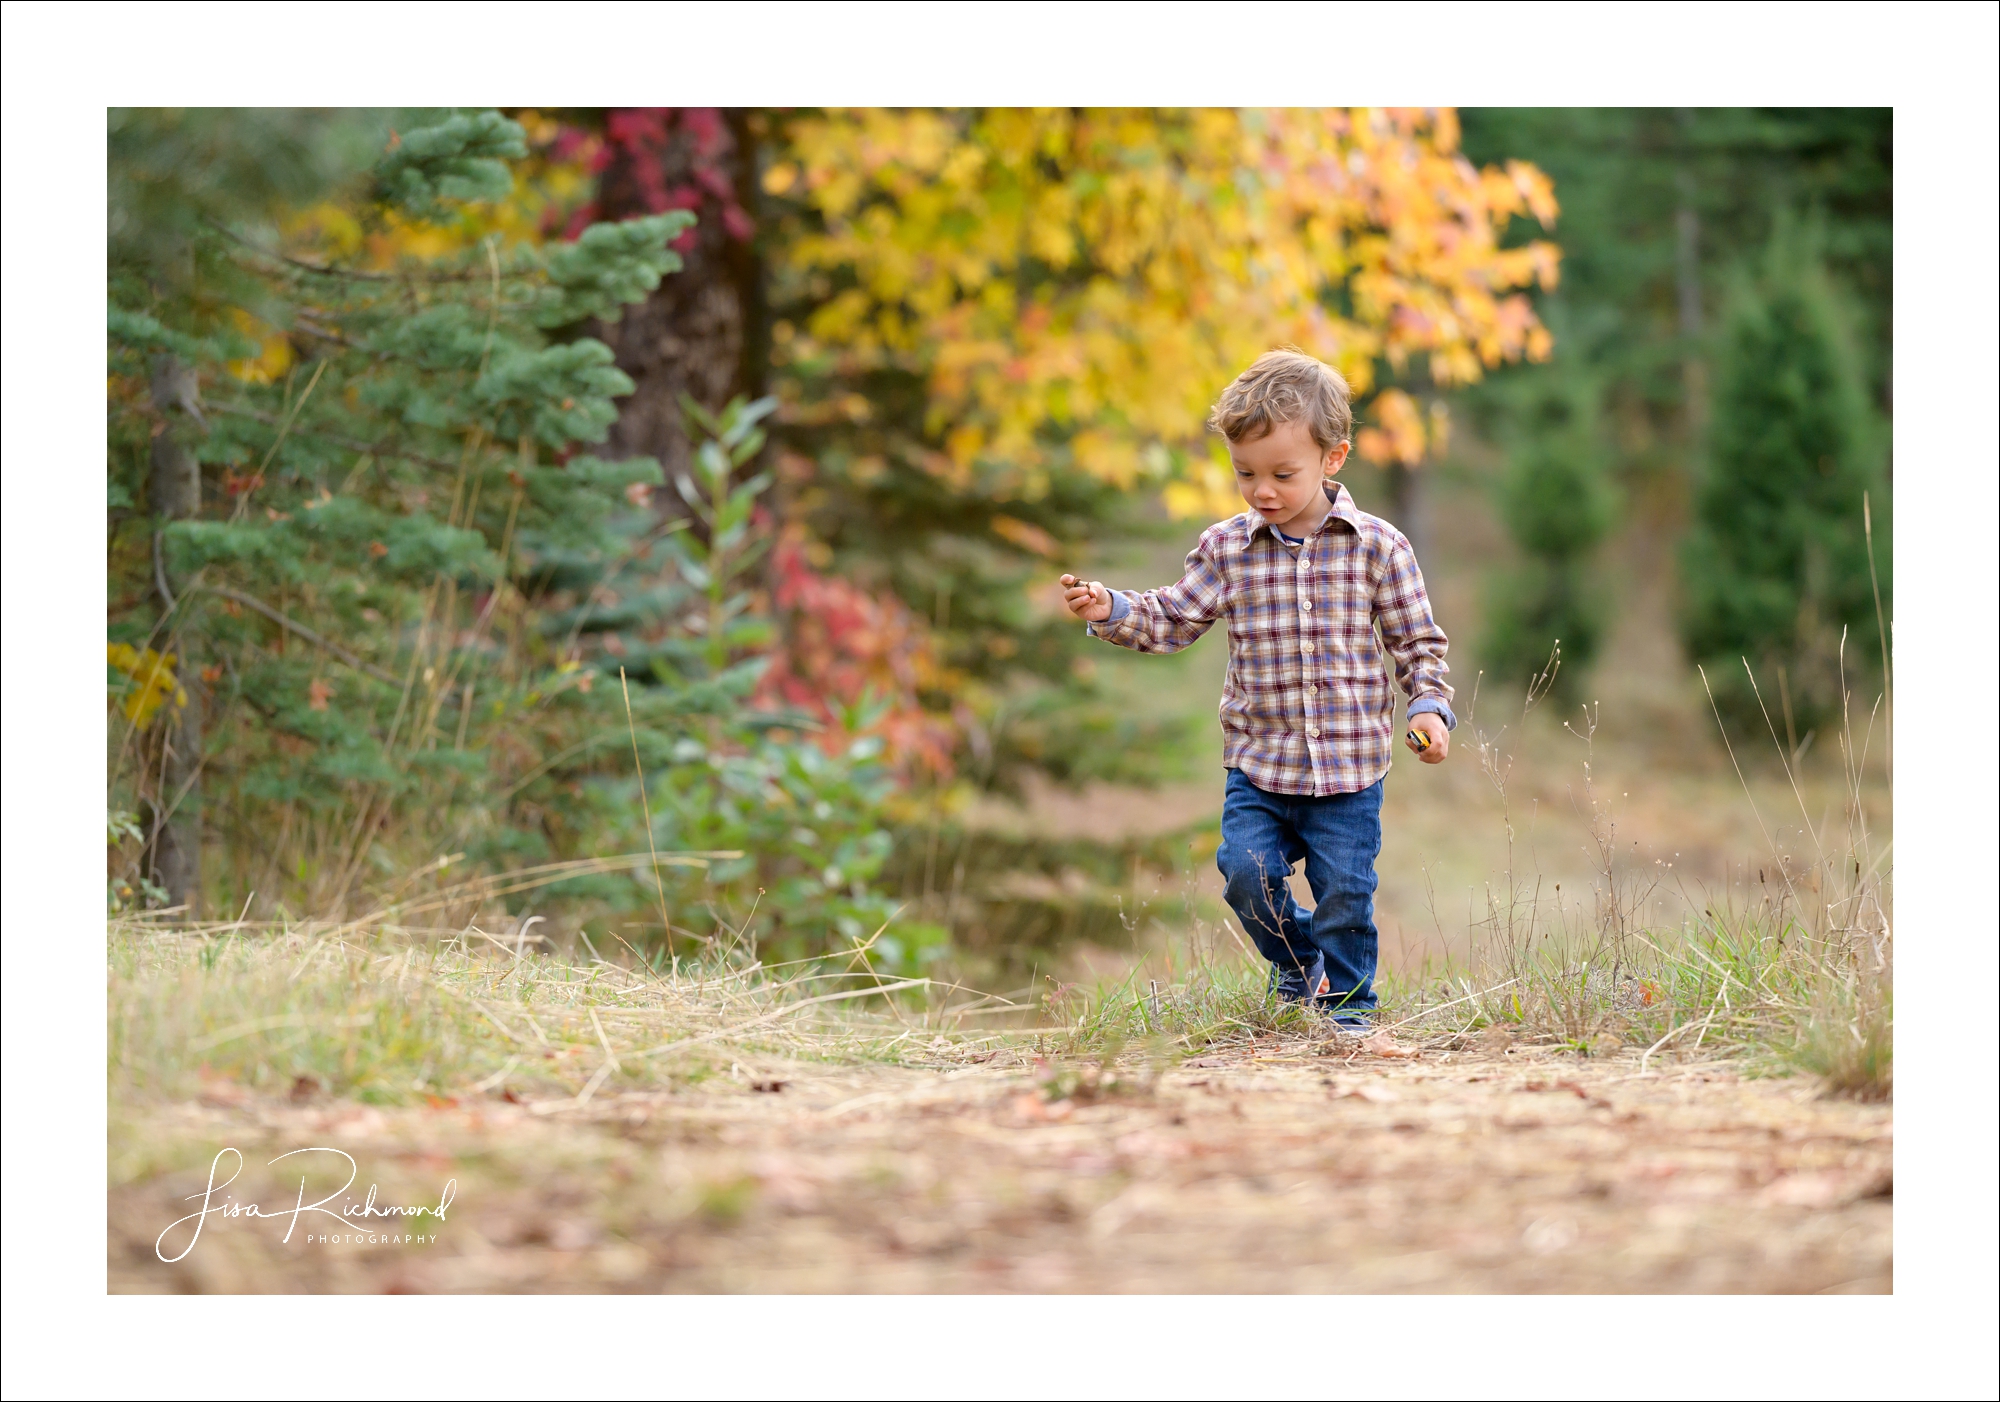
[[1313, 731], [1305, 605], [1305, 647], [1311, 688]]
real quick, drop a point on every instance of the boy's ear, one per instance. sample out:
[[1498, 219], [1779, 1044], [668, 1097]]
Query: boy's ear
[[1336, 458]]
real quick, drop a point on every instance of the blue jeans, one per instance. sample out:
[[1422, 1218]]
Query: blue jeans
[[1339, 836]]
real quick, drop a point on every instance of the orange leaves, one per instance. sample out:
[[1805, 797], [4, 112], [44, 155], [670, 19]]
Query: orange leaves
[[1101, 274], [1400, 438], [318, 693], [1029, 537]]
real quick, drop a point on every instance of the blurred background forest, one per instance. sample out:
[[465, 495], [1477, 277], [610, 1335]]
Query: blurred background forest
[[464, 467]]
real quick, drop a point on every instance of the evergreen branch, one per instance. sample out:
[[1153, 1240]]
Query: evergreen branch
[[342, 654], [307, 327], [338, 440], [326, 270]]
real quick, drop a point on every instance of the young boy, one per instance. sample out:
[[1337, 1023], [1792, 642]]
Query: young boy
[[1304, 580]]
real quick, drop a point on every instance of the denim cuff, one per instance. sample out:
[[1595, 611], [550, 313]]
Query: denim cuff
[[1434, 706]]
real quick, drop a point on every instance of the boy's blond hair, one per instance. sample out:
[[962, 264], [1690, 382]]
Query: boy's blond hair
[[1282, 387]]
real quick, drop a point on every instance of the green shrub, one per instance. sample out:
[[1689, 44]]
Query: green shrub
[[1557, 505], [398, 596], [1777, 567]]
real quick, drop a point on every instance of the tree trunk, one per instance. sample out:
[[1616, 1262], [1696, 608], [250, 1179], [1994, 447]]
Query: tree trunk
[[1406, 506], [172, 858], [172, 817], [689, 337]]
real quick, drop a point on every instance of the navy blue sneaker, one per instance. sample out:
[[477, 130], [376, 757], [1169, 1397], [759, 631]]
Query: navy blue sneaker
[[1336, 1009], [1300, 985]]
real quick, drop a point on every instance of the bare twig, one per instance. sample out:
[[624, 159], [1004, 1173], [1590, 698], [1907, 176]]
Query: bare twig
[[256, 605], [646, 808]]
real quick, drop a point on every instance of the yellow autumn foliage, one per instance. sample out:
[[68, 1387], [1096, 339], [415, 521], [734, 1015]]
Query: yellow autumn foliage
[[547, 186], [154, 683], [1094, 278]]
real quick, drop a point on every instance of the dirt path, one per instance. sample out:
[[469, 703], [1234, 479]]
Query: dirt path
[[1280, 1168]]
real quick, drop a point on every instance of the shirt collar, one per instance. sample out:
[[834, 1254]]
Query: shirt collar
[[1343, 509]]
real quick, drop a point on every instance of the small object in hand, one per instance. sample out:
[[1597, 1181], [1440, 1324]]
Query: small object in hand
[[1418, 740]]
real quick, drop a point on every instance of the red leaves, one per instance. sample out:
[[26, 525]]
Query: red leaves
[[654, 159], [841, 643], [318, 694], [377, 549]]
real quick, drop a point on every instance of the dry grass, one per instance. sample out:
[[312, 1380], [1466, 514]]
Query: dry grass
[[1788, 967], [394, 1015]]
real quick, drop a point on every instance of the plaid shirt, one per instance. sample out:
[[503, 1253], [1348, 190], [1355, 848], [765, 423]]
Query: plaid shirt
[[1306, 708]]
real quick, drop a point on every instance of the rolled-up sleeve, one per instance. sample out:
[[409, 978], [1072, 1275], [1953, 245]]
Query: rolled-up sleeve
[[1168, 619], [1415, 642]]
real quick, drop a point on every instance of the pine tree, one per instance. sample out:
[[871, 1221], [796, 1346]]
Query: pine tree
[[1777, 566], [358, 529], [1557, 503]]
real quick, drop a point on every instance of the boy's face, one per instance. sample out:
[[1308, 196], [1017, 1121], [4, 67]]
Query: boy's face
[[1280, 474]]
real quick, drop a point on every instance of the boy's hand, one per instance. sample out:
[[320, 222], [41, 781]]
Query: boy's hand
[[1088, 600], [1431, 726]]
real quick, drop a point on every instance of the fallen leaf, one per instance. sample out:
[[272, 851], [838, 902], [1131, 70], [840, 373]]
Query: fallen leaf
[[572, 1234], [222, 1092], [1373, 1094], [304, 1088], [1033, 1107], [318, 694], [787, 1183], [769, 1087], [1812, 1190], [1383, 1044]]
